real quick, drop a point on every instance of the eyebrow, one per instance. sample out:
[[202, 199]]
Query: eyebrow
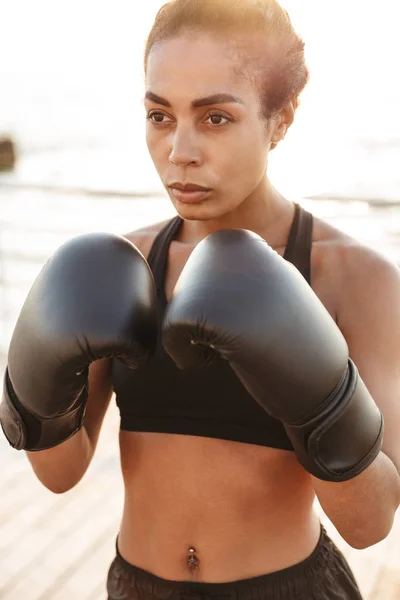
[[213, 99]]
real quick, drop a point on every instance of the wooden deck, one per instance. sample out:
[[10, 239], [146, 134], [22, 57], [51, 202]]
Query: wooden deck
[[59, 547]]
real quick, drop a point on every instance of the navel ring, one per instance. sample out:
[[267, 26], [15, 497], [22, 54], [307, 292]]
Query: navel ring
[[192, 559]]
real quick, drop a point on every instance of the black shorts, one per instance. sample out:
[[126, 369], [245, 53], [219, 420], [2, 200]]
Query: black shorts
[[324, 575]]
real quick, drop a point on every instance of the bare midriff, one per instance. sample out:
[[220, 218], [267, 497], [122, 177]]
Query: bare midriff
[[211, 510]]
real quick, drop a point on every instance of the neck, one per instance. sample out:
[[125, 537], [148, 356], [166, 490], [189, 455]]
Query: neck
[[264, 212]]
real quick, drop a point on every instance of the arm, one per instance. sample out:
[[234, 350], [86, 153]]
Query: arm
[[94, 299], [62, 467], [238, 298], [362, 509]]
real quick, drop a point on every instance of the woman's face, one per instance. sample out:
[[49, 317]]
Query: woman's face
[[204, 125]]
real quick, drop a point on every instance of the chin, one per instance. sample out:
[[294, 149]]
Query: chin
[[188, 214], [204, 211]]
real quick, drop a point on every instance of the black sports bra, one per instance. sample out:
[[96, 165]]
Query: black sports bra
[[210, 402]]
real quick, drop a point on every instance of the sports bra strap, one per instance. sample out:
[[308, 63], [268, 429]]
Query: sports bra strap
[[158, 255], [299, 244]]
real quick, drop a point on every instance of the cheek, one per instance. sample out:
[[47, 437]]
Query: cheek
[[243, 160], [157, 149], [151, 142]]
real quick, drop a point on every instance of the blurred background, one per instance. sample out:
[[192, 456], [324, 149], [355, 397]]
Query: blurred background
[[71, 88]]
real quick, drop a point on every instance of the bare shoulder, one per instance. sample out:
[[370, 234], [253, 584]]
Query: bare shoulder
[[352, 270], [143, 238]]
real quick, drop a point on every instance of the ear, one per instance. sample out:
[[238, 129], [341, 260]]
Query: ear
[[281, 122]]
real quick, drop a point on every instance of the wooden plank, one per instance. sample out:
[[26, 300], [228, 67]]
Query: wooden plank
[[87, 572], [57, 533]]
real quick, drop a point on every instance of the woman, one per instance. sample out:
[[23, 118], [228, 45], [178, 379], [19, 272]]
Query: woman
[[216, 503]]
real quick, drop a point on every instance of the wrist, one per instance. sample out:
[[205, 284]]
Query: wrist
[[340, 439], [25, 430]]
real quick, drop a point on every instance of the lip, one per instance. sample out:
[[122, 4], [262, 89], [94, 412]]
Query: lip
[[189, 196], [188, 187]]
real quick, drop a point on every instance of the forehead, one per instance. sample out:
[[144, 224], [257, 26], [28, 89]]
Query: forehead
[[198, 64]]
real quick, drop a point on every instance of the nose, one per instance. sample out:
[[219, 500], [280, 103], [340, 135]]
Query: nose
[[184, 150]]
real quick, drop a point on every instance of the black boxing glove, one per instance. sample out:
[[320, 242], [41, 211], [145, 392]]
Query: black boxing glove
[[95, 298], [238, 299]]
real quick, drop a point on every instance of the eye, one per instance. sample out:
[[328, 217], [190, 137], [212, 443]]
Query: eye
[[158, 118], [218, 120]]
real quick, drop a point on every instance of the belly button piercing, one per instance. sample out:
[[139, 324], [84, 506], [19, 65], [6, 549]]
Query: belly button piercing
[[192, 559]]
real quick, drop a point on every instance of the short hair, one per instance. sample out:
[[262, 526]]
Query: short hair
[[282, 61]]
